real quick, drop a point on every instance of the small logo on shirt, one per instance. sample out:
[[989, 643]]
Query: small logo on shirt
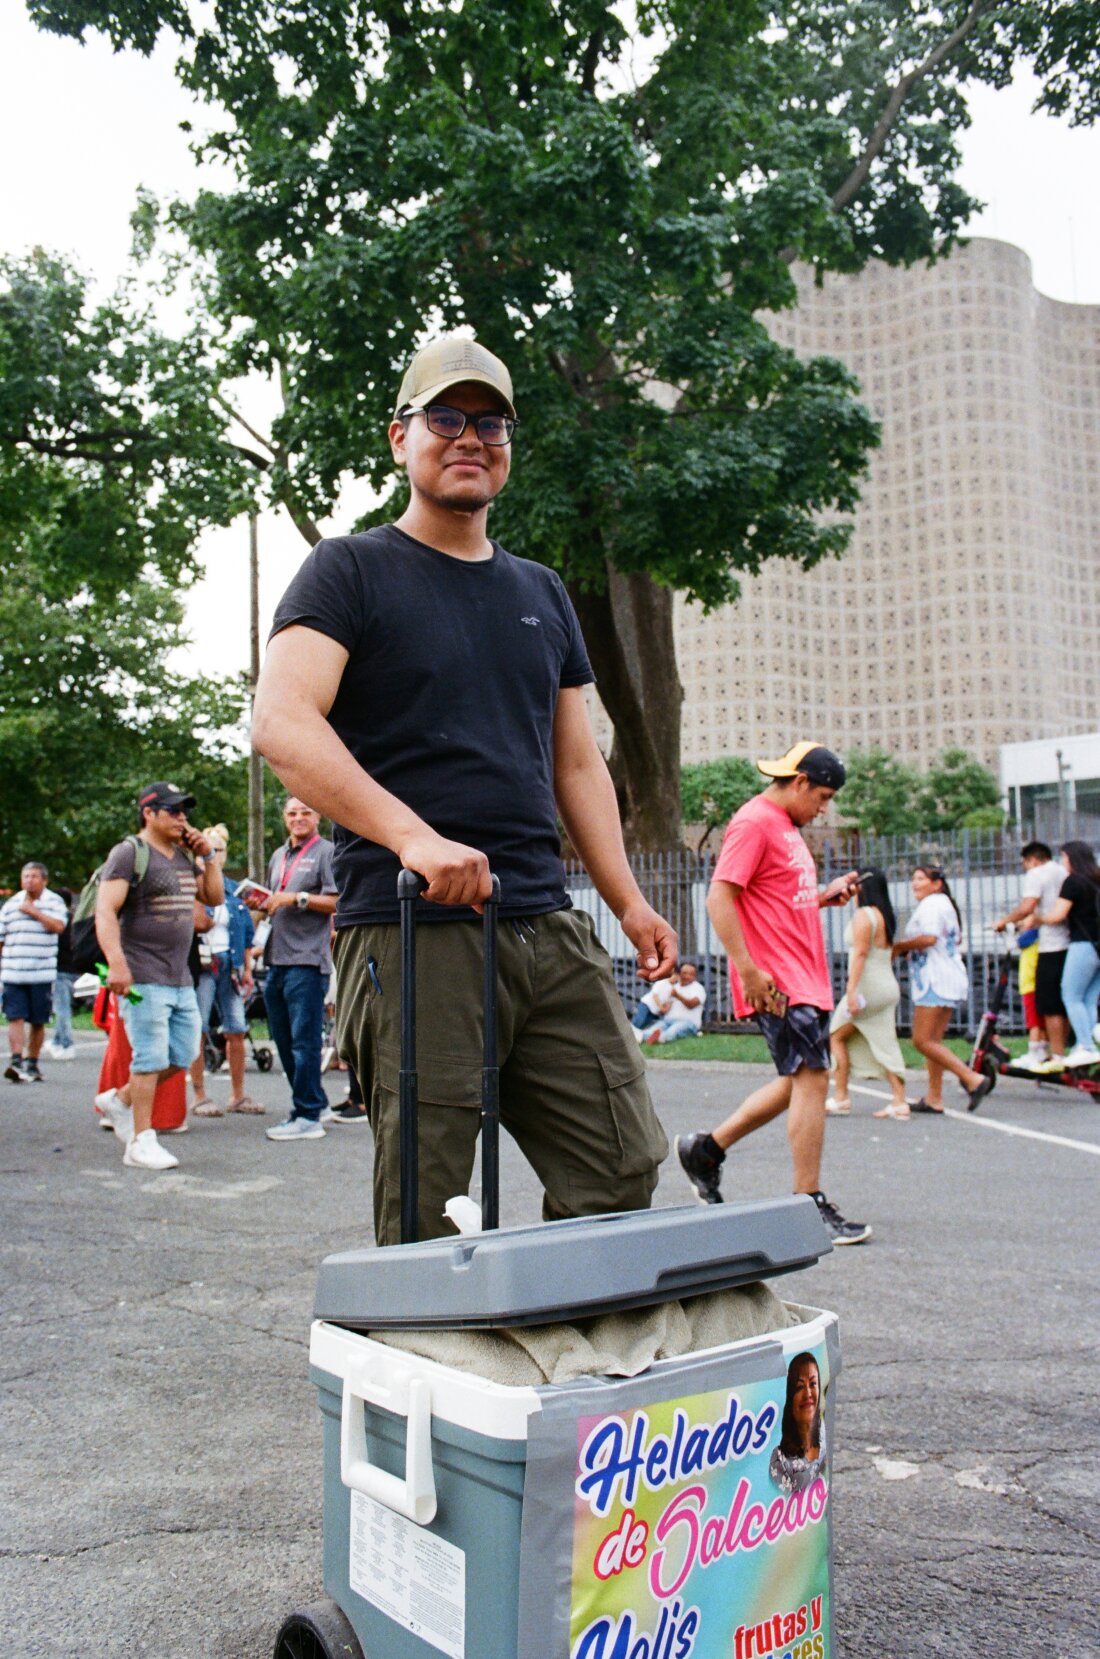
[[531, 621]]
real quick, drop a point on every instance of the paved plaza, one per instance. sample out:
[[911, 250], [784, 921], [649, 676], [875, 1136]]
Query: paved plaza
[[161, 1443]]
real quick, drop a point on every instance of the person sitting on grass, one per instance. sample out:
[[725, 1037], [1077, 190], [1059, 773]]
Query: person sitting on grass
[[685, 1016]]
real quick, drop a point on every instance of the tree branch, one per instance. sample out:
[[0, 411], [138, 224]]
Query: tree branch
[[897, 98], [591, 61], [895, 103], [224, 403]]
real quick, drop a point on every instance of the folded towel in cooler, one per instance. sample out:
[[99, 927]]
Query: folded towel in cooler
[[616, 1344]]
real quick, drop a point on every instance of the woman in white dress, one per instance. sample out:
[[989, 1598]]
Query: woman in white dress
[[863, 1034], [937, 982]]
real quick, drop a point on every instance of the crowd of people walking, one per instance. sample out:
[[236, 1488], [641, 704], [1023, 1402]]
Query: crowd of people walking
[[425, 690]]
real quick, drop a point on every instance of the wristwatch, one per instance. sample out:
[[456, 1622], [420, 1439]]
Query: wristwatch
[[302, 900]]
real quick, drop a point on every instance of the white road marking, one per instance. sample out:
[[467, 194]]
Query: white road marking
[[993, 1123]]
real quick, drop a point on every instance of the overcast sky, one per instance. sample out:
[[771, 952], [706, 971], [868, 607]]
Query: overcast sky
[[81, 129]]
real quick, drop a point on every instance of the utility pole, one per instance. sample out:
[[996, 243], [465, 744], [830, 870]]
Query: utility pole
[[255, 761], [1064, 771]]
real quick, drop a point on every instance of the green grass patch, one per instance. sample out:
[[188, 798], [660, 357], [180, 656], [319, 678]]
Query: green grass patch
[[750, 1050]]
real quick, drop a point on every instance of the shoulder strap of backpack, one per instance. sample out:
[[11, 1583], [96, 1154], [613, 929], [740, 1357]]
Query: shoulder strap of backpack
[[141, 860]]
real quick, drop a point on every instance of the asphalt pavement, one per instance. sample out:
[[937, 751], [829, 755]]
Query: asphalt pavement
[[161, 1444]]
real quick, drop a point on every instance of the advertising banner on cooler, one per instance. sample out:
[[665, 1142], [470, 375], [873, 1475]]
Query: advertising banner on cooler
[[699, 1524]]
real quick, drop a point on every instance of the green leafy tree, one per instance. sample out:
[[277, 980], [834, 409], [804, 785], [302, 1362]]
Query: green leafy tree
[[613, 209], [958, 791], [711, 791], [112, 448], [881, 795], [113, 458], [89, 713]]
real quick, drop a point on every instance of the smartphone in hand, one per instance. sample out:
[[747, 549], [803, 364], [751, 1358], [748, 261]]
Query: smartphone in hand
[[780, 1002]]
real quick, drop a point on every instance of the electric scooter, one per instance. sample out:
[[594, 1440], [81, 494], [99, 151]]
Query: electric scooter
[[992, 1059]]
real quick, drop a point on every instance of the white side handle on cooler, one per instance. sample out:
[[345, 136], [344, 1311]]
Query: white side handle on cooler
[[409, 1397]]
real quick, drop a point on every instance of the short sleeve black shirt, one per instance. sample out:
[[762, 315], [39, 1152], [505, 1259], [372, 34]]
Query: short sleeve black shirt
[[1084, 914], [447, 700]]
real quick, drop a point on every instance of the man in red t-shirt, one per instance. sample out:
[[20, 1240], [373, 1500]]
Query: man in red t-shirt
[[765, 904]]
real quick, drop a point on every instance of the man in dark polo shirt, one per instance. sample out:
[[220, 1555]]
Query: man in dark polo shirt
[[299, 963], [425, 689]]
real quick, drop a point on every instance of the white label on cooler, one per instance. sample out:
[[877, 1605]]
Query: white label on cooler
[[416, 1579]]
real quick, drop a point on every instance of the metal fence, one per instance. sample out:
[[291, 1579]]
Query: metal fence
[[983, 870]]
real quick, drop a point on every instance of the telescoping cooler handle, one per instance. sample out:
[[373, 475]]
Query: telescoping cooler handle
[[411, 1397], [409, 886]]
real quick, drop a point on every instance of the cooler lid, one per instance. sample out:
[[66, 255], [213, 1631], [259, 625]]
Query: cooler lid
[[563, 1270]]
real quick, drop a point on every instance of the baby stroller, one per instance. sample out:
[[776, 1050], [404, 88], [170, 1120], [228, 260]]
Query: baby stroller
[[214, 1041]]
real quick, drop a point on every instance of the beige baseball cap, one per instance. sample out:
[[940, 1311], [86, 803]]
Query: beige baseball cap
[[448, 362]]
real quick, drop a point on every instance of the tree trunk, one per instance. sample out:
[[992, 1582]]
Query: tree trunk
[[628, 631]]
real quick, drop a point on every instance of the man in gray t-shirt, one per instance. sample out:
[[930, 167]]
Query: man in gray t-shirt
[[298, 955], [144, 920]]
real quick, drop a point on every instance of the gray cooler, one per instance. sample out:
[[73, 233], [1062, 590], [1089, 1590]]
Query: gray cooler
[[607, 1518]]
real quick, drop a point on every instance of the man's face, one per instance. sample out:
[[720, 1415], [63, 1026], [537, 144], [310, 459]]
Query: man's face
[[807, 800], [1032, 863], [301, 821], [688, 974], [462, 473], [168, 821], [33, 883]]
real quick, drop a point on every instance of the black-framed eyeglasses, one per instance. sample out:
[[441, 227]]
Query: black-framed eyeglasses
[[447, 422]]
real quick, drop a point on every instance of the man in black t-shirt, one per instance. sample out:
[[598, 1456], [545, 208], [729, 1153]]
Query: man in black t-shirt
[[424, 688]]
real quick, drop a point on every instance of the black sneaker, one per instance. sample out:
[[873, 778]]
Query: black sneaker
[[703, 1171], [14, 1071], [349, 1113], [31, 1073], [839, 1230]]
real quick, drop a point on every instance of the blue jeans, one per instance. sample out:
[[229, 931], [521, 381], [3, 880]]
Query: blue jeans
[[63, 1010], [295, 1001], [674, 1026], [643, 1018], [1081, 990]]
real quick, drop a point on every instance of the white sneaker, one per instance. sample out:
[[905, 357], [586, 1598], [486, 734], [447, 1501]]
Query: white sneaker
[[327, 1116], [296, 1129], [118, 1117], [1083, 1056], [144, 1151], [1032, 1061], [62, 1054]]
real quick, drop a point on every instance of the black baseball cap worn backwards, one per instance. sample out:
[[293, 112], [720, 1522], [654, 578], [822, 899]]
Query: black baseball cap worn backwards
[[161, 796], [819, 764]]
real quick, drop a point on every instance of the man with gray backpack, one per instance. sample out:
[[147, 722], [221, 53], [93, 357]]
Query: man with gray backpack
[[144, 922]]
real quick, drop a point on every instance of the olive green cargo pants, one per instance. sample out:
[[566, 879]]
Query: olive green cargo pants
[[573, 1092]]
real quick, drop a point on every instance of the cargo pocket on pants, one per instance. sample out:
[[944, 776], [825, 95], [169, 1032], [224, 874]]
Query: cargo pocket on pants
[[641, 1142], [442, 1079]]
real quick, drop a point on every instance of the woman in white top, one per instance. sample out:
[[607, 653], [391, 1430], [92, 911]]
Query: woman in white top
[[937, 981]]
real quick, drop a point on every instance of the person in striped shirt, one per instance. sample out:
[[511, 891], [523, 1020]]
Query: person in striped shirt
[[30, 924]]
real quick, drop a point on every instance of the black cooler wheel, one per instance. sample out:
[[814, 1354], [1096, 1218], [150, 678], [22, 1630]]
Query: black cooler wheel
[[319, 1631], [264, 1059]]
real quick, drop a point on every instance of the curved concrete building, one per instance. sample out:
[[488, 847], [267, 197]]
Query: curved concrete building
[[967, 610]]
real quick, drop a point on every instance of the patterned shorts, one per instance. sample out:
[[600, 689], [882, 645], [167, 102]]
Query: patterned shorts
[[799, 1038]]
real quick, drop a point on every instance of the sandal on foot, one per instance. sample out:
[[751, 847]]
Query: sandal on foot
[[900, 1114], [207, 1108], [838, 1108], [247, 1105], [923, 1106]]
